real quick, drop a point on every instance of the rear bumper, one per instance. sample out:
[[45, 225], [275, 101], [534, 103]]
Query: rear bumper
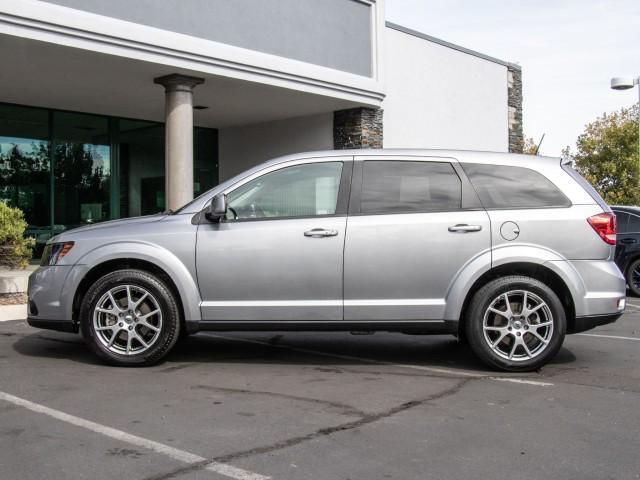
[[582, 324]]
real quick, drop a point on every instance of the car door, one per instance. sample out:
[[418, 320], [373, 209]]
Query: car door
[[278, 253], [628, 241], [411, 228]]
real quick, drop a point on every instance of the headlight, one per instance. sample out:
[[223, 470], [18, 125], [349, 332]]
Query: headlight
[[53, 252]]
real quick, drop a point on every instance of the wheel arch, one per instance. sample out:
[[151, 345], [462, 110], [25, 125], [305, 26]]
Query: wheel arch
[[157, 261], [538, 271]]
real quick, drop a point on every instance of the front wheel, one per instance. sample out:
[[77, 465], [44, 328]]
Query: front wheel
[[515, 323], [633, 277], [129, 318]]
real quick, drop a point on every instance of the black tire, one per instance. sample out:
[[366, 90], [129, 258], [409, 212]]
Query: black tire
[[498, 357], [163, 339], [634, 287]]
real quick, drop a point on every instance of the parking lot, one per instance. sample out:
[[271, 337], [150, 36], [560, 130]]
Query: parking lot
[[319, 406]]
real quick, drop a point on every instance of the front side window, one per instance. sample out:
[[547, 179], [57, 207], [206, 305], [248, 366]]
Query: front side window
[[500, 186], [299, 191], [634, 224], [622, 221], [407, 187]]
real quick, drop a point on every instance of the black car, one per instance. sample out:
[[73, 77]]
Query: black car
[[628, 247]]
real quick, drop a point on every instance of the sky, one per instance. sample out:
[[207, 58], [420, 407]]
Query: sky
[[568, 51]]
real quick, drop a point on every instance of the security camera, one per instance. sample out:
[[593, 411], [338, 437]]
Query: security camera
[[623, 83]]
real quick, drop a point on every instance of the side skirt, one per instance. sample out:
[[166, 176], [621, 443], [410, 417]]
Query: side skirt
[[426, 327]]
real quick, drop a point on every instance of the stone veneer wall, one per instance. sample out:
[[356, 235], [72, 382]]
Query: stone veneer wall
[[357, 128], [514, 86]]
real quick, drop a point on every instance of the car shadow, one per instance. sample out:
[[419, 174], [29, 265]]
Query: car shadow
[[321, 348]]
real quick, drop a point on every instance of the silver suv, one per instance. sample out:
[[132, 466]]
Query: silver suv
[[507, 252]]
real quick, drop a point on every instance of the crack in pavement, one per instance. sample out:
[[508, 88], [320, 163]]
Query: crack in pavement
[[322, 432], [346, 409]]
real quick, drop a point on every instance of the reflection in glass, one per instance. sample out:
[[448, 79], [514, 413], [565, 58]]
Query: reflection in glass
[[82, 169], [24, 167], [141, 168]]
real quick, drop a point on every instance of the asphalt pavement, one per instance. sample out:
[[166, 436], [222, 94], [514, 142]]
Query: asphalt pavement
[[327, 406]]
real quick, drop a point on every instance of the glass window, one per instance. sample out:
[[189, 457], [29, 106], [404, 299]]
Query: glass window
[[634, 224], [205, 159], [297, 191], [622, 221], [141, 157], [25, 168], [399, 186], [500, 186], [81, 169]]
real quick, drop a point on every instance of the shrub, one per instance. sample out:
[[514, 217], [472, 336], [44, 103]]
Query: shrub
[[15, 249]]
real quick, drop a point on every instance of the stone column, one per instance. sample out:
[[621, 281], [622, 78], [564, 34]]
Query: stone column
[[178, 138], [357, 128], [514, 92]]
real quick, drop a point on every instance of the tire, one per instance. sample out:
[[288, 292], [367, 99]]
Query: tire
[[633, 277], [511, 339], [140, 328]]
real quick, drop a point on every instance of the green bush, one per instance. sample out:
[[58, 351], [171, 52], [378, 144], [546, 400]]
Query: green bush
[[15, 249]]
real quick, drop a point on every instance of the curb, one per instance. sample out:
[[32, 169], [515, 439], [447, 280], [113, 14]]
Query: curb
[[13, 312]]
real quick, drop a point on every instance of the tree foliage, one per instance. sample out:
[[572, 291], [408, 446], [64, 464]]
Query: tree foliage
[[15, 249], [607, 156], [530, 146]]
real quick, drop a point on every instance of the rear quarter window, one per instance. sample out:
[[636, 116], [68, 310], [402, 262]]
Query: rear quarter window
[[500, 186]]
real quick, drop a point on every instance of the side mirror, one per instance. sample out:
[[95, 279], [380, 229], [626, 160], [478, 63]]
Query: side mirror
[[217, 209]]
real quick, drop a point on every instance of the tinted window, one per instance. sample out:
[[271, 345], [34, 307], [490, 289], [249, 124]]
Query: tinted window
[[634, 224], [393, 186], [298, 191], [513, 187], [622, 221]]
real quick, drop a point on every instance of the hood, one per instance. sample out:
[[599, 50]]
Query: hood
[[105, 226]]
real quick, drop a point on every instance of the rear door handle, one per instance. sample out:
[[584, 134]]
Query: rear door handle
[[628, 240], [464, 228], [320, 232]]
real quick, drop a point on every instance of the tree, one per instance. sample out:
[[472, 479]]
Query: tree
[[530, 146], [607, 156]]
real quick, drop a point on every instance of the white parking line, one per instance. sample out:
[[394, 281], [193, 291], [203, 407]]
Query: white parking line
[[633, 305], [174, 453], [446, 371], [635, 339]]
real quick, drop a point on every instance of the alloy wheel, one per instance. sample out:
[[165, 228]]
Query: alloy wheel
[[127, 320], [518, 325]]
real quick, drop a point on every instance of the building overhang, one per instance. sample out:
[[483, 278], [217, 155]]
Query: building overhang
[[65, 58]]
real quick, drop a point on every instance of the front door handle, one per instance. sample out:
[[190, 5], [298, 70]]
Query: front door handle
[[464, 228], [320, 232]]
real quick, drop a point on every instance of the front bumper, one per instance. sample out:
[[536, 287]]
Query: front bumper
[[49, 301], [58, 325]]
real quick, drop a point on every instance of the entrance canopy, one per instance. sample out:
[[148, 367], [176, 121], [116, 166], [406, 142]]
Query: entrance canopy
[[55, 76]]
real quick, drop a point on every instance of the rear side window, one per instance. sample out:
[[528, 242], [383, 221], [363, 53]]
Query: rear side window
[[500, 186], [406, 187]]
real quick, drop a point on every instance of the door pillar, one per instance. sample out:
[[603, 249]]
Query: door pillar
[[178, 138]]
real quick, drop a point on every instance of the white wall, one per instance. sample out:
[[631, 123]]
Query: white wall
[[246, 146], [438, 97]]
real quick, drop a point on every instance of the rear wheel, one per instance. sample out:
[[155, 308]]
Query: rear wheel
[[633, 277], [130, 317], [515, 323]]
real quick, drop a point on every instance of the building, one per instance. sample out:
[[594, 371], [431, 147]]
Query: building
[[114, 108]]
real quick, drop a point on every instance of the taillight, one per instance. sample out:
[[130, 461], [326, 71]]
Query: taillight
[[605, 225]]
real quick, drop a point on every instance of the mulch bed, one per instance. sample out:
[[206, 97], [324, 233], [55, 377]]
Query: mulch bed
[[13, 298]]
